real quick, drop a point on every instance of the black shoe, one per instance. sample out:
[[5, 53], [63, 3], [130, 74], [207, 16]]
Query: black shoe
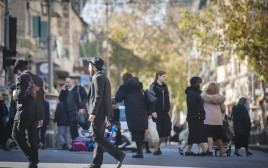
[[93, 166], [148, 151], [120, 161], [180, 151], [237, 154], [157, 153], [249, 153], [160, 151], [203, 154], [33, 164], [12, 145], [190, 154], [209, 153], [138, 155], [71, 149]]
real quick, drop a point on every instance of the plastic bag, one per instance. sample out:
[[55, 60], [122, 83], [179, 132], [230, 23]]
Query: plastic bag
[[152, 130]]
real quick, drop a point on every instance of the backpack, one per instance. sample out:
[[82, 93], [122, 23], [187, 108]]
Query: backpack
[[32, 89]]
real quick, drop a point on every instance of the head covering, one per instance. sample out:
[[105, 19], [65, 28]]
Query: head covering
[[18, 65], [98, 62]]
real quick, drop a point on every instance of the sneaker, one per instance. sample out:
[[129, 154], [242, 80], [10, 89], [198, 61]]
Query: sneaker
[[190, 154], [148, 151], [209, 153], [157, 153], [33, 164]]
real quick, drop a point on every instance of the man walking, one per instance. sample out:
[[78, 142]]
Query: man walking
[[100, 109], [75, 99], [30, 111]]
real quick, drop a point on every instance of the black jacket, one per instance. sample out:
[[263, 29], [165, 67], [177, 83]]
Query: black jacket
[[99, 96], [12, 109], [162, 94], [61, 116], [195, 104], [241, 120], [83, 95], [46, 113], [29, 108], [135, 107]]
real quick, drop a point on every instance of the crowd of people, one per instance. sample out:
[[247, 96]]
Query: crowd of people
[[146, 110]]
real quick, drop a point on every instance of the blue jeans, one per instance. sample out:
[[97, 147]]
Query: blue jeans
[[63, 134]]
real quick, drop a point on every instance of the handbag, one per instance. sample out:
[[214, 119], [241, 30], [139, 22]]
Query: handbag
[[149, 96], [152, 130], [82, 118]]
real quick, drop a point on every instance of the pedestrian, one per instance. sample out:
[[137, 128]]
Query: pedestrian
[[12, 113], [75, 98], [160, 114], [3, 123], [41, 132], [131, 92], [215, 109], [195, 116], [63, 123], [116, 118], [30, 111], [242, 125], [100, 110]]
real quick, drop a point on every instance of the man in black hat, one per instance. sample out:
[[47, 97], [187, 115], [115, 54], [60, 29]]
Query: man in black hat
[[100, 109], [29, 112]]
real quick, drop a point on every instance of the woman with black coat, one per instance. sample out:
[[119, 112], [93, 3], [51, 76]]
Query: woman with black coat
[[161, 116], [242, 125], [195, 116], [136, 112]]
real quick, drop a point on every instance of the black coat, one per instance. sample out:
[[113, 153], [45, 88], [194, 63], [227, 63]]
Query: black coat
[[28, 108], [195, 105], [136, 111], [61, 116], [162, 94], [46, 112], [12, 109], [83, 95], [241, 120], [99, 97]]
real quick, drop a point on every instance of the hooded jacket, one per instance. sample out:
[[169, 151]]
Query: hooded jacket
[[162, 94], [195, 107], [136, 111]]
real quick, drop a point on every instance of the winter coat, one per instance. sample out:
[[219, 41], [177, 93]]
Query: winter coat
[[83, 95], [162, 94], [135, 107], [241, 120], [61, 116], [214, 108], [195, 104]]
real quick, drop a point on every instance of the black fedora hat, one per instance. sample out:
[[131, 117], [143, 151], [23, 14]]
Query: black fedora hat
[[98, 62], [18, 65]]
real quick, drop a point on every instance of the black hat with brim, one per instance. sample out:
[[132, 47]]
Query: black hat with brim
[[18, 65], [98, 62]]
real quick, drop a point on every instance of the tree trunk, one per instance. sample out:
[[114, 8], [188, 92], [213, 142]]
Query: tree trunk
[[262, 104]]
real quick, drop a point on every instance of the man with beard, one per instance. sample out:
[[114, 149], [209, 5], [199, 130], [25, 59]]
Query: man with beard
[[100, 109]]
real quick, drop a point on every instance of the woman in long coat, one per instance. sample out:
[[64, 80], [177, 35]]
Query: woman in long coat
[[195, 116], [242, 125], [136, 112]]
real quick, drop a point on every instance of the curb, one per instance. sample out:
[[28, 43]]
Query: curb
[[263, 148]]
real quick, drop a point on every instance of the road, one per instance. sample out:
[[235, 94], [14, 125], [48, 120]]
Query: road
[[170, 158]]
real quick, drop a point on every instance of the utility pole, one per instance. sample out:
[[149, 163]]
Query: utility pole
[[107, 42], [50, 65], [6, 46]]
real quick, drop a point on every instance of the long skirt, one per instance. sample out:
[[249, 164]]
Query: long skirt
[[241, 141], [197, 132]]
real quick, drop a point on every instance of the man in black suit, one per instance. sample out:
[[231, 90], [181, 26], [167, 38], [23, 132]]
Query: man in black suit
[[30, 112], [100, 109]]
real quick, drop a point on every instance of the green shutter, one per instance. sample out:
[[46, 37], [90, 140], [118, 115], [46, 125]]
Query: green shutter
[[44, 33], [66, 53], [36, 26]]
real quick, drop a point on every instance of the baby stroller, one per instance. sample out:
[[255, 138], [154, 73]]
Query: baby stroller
[[226, 141]]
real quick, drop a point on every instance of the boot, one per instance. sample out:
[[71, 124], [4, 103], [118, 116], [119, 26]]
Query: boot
[[139, 151]]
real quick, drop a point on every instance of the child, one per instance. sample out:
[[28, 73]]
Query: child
[[114, 131]]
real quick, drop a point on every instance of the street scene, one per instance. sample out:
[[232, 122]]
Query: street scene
[[133, 83]]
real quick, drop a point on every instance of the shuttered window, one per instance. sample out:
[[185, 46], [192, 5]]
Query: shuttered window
[[36, 26], [44, 33]]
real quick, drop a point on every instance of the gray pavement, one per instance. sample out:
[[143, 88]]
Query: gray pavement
[[170, 158]]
